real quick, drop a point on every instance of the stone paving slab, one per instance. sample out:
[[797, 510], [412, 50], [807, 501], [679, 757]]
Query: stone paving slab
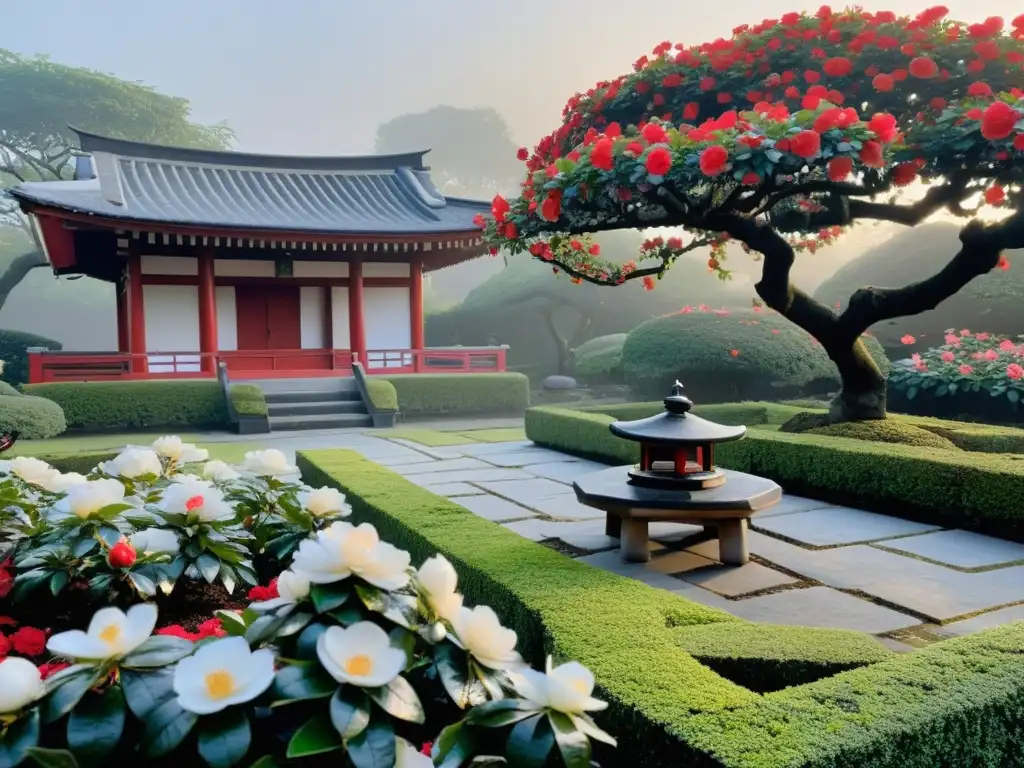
[[934, 591], [492, 508], [433, 451], [732, 581], [565, 471], [791, 504], [467, 476], [525, 491], [566, 507], [456, 489], [448, 465], [481, 449], [674, 532], [522, 458], [611, 562], [984, 621], [960, 549], [821, 607], [399, 461], [838, 525]]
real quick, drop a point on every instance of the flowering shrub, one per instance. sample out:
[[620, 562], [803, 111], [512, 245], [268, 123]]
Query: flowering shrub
[[966, 362], [349, 651]]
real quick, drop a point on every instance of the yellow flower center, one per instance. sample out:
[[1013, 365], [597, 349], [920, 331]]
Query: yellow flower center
[[359, 666], [219, 684], [110, 634], [580, 687]]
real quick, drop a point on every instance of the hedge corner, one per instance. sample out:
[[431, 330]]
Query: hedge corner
[[461, 394]]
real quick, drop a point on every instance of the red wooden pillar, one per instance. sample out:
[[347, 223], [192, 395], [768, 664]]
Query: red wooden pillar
[[356, 323], [136, 315], [123, 329], [416, 302], [207, 312]]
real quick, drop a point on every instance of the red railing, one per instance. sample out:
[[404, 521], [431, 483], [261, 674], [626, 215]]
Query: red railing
[[49, 366]]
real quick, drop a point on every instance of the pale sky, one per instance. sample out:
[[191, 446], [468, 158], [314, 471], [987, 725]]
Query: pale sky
[[318, 76]]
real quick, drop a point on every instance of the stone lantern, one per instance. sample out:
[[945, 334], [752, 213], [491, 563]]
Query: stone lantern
[[677, 481]]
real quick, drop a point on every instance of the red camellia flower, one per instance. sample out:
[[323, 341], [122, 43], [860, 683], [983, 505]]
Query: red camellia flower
[[49, 670], [884, 127], [708, 83], [938, 103], [750, 179], [998, 120], [601, 155], [510, 231], [653, 133], [659, 161], [979, 89], [904, 174], [551, 208], [713, 160], [499, 207], [811, 76], [479, 221], [838, 67], [523, 153], [691, 110], [6, 582], [648, 283], [121, 555], [871, 154], [995, 195], [5, 647], [924, 67], [29, 641], [1018, 142], [883, 82], [839, 168], [805, 144]]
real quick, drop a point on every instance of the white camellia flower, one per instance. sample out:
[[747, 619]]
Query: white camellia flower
[[565, 689], [155, 541], [439, 581], [268, 463], [133, 463], [86, 499], [343, 550], [324, 502], [32, 470], [198, 499], [112, 634], [171, 447], [360, 655], [60, 483], [486, 639], [21, 684], [221, 674], [407, 756], [218, 471], [291, 588]]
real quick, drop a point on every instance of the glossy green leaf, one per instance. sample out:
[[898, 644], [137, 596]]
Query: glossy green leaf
[[530, 742], [453, 669], [314, 737], [301, 682], [398, 698], [21, 736], [374, 747], [96, 724], [496, 714], [146, 690], [209, 567], [572, 742], [58, 581], [453, 745], [347, 615], [224, 738], [586, 724], [144, 585], [166, 727], [305, 645], [67, 688], [328, 597], [233, 624], [350, 711], [52, 758], [158, 651]]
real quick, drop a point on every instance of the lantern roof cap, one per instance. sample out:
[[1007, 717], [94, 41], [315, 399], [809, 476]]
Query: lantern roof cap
[[676, 425]]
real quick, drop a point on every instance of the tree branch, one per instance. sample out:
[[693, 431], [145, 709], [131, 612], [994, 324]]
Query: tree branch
[[16, 272], [948, 195]]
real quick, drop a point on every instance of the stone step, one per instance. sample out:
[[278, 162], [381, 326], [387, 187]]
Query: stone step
[[316, 407], [321, 421], [319, 396], [325, 384]]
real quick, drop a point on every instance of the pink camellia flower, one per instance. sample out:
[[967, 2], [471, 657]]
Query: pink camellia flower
[[977, 356], [991, 354], [1006, 345], [952, 338], [982, 336], [965, 332], [1015, 371], [916, 358], [966, 370], [908, 339], [948, 357]]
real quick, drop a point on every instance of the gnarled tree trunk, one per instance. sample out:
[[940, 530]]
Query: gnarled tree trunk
[[862, 395]]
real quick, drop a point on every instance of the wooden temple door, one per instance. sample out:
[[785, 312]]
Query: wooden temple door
[[269, 317]]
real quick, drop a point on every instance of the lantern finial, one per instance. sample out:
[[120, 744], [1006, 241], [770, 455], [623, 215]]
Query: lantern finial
[[677, 403]]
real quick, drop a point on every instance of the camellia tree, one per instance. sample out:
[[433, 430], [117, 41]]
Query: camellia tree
[[781, 138]]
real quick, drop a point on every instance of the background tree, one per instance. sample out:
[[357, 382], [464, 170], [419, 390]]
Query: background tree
[[780, 165], [39, 99]]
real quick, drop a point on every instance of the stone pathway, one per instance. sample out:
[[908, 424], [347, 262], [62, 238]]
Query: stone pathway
[[813, 564]]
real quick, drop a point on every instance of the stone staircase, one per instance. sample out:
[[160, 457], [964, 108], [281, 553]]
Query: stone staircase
[[327, 403]]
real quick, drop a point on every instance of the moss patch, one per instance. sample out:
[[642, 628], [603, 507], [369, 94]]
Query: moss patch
[[888, 431]]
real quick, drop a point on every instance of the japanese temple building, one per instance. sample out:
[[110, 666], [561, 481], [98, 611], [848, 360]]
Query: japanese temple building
[[276, 266]]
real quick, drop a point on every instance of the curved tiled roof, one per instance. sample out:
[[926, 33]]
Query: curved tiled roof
[[375, 194]]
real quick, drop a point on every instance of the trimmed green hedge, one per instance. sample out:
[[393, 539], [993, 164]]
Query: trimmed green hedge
[[13, 346], [33, 418], [956, 703], [248, 399], [83, 463], [109, 405], [382, 394], [978, 491], [744, 355], [599, 360], [9, 389], [430, 394]]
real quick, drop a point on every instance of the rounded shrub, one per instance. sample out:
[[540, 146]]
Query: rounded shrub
[[12, 351], [741, 355], [9, 390], [887, 431], [33, 418], [600, 360]]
